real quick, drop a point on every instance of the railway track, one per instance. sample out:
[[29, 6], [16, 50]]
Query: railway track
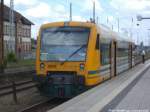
[[6, 79], [44, 105], [16, 87]]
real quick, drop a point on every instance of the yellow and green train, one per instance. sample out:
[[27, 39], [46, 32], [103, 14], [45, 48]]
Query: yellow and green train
[[74, 56]]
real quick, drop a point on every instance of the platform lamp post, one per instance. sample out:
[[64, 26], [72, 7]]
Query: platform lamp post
[[137, 33], [93, 19], [70, 11], [140, 18], [148, 37], [1, 37]]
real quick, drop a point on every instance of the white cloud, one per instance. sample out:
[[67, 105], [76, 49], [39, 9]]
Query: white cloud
[[59, 8], [78, 18], [133, 5], [128, 9], [46, 21], [25, 2], [145, 13], [41, 10], [22, 2], [88, 5], [44, 10], [110, 18]]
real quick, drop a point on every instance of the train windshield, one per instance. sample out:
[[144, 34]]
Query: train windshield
[[64, 44]]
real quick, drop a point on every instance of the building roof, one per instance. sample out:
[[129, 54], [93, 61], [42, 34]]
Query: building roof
[[17, 16]]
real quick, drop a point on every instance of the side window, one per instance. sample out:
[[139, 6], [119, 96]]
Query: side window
[[97, 42], [105, 53]]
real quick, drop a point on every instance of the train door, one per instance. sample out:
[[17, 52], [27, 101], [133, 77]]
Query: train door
[[113, 58], [105, 58], [130, 55]]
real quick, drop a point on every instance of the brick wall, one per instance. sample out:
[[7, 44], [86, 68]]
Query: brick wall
[[22, 36]]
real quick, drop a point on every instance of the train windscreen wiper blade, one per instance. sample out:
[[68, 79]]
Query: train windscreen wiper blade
[[72, 54]]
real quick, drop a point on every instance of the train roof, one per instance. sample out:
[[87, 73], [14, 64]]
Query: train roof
[[105, 31], [73, 23]]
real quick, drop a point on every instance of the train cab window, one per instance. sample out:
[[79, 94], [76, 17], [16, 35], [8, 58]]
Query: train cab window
[[97, 42], [64, 43]]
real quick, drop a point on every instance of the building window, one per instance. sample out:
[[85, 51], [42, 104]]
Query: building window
[[6, 30], [28, 32]]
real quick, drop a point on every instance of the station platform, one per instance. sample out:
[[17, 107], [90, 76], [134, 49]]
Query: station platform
[[134, 98], [126, 91]]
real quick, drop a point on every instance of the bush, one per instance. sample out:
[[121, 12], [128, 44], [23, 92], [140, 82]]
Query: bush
[[4, 65], [11, 57]]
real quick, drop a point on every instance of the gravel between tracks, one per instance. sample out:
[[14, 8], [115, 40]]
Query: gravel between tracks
[[25, 99], [7, 79]]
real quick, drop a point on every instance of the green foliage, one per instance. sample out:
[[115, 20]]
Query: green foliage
[[11, 57], [21, 63], [1, 67], [4, 65], [32, 40]]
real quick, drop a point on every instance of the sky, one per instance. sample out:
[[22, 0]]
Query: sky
[[107, 11]]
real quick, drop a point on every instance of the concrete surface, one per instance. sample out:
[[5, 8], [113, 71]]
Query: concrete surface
[[135, 98], [97, 98]]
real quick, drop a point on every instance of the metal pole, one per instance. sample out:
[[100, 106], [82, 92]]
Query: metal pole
[[148, 37], [118, 25], [131, 29], [112, 27], [11, 20], [137, 37], [94, 11], [1, 36], [146, 18], [70, 11], [14, 92], [107, 20], [97, 20]]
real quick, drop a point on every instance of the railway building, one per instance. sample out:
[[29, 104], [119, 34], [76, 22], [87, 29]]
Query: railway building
[[19, 41]]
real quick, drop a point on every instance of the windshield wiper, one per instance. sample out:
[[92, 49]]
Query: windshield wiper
[[72, 54]]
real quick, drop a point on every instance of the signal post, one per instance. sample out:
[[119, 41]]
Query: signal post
[[1, 36]]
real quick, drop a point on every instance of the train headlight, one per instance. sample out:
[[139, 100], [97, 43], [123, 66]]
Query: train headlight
[[42, 66], [82, 66]]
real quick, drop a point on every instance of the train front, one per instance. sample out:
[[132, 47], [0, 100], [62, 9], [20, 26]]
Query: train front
[[61, 58]]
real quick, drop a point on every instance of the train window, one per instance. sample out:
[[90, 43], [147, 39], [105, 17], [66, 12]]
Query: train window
[[97, 42], [64, 43], [122, 56], [105, 53], [122, 49]]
